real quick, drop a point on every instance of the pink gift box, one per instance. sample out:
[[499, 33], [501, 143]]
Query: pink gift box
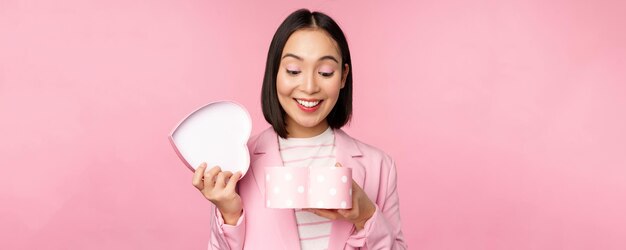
[[308, 187]]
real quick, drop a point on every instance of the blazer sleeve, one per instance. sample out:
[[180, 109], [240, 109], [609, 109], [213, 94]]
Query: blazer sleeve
[[383, 230], [224, 236]]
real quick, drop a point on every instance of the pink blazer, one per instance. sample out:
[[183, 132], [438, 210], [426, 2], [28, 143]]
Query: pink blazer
[[265, 228]]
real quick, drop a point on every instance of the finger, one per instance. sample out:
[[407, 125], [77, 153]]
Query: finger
[[344, 212], [226, 176], [356, 195], [197, 176], [326, 213], [349, 213], [209, 177], [355, 187], [232, 183], [219, 180], [338, 165]]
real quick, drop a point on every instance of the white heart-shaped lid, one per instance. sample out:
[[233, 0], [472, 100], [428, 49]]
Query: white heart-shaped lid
[[217, 134]]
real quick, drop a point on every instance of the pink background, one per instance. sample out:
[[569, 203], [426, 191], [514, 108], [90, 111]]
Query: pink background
[[507, 118]]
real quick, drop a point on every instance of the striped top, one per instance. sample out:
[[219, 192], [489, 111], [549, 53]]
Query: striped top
[[317, 151]]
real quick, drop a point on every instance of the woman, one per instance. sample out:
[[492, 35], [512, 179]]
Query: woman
[[307, 98]]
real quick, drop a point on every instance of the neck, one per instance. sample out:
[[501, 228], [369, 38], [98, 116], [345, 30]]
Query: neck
[[295, 130]]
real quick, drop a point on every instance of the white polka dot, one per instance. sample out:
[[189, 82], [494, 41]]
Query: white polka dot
[[343, 204], [332, 191], [268, 203], [289, 203], [267, 177], [320, 204], [344, 179], [288, 176], [321, 178], [276, 190], [300, 189], [350, 191]]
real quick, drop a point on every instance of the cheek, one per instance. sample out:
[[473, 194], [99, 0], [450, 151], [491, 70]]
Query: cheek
[[282, 86], [333, 89]]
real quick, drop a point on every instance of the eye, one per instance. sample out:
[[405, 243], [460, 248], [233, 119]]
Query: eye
[[326, 74], [293, 72]]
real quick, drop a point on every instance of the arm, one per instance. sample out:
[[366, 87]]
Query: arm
[[220, 188], [225, 236], [383, 230]]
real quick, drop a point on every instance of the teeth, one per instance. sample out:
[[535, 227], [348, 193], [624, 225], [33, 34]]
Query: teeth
[[308, 104]]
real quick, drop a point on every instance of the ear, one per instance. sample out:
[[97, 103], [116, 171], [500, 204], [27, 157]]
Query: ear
[[344, 76]]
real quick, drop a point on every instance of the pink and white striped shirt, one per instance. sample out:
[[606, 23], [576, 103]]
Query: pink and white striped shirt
[[317, 151]]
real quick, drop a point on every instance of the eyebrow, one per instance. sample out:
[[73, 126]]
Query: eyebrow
[[327, 57]]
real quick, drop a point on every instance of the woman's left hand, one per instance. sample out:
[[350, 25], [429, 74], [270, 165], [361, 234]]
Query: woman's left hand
[[362, 208]]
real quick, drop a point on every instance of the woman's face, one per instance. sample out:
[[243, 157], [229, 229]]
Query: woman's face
[[309, 80]]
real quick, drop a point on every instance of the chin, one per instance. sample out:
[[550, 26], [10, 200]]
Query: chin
[[308, 123]]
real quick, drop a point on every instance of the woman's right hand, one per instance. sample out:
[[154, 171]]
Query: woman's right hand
[[219, 187]]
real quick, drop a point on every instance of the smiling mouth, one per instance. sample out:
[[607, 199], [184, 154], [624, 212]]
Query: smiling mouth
[[308, 103]]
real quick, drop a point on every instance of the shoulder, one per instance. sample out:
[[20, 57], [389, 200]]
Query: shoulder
[[365, 150], [261, 137]]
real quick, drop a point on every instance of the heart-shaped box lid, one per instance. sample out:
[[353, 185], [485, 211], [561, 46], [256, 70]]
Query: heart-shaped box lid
[[217, 133]]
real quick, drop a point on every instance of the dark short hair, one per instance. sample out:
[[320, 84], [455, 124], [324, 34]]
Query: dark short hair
[[303, 18]]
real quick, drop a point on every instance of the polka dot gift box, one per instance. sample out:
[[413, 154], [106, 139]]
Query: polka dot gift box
[[308, 187]]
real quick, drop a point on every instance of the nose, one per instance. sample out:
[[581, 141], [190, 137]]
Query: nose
[[310, 84]]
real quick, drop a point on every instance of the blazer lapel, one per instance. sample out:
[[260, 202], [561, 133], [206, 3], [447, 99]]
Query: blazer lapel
[[266, 154], [347, 154]]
